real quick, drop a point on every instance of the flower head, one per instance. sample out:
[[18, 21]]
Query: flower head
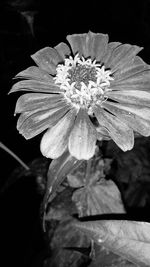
[[82, 91]]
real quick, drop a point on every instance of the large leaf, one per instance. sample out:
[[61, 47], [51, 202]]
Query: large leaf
[[99, 198], [129, 239], [95, 195]]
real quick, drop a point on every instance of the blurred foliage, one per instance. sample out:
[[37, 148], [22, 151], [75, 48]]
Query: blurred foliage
[[131, 172]]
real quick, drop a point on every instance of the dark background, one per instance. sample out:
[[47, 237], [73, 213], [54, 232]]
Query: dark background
[[25, 27]]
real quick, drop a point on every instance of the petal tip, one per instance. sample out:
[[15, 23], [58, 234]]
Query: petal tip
[[127, 147]]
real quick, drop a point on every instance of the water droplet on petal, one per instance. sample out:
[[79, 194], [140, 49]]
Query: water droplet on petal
[[100, 240]]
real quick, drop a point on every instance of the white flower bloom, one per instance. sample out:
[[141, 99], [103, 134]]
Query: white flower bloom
[[91, 81]]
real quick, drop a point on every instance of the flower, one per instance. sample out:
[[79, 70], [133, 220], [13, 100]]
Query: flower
[[82, 91]]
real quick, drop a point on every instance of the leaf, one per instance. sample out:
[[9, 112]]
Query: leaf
[[67, 247], [129, 239], [95, 194], [101, 198], [105, 258], [58, 170]]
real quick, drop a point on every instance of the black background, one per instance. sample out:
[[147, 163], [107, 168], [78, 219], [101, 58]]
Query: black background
[[125, 21]]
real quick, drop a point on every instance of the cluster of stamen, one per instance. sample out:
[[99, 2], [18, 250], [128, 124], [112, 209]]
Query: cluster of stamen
[[84, 82]]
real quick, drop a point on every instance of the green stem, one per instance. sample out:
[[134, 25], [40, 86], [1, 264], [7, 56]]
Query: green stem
[[14, 156], [88, 169]]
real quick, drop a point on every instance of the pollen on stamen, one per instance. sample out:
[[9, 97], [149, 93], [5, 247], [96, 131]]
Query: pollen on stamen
[[84, 82]]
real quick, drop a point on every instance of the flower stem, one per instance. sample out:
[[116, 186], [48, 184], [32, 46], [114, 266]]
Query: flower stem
[[88, 169], [10, 152]]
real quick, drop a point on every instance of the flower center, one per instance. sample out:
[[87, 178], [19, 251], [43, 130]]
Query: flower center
[[84, 82]]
